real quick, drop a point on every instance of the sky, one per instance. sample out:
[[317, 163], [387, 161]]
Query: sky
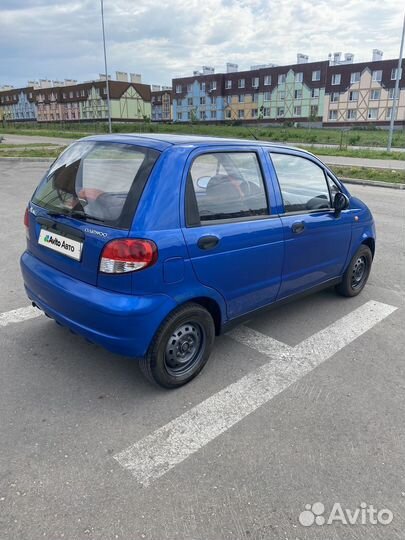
[[62, 39]]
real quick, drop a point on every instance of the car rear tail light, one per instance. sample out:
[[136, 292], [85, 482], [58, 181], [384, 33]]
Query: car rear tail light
[[128, 255], [27, 223]]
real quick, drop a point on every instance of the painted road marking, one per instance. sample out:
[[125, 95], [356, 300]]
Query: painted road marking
[[19, 315], [156, 454]]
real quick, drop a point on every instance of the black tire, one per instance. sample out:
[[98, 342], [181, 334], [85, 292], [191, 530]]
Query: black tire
[[356, 275], [180, 348]]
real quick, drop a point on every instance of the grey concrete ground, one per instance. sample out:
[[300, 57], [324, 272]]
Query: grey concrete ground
[[67, 407]]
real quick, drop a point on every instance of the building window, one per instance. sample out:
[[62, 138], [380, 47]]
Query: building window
[[213, 115], [266, 96], [228, 113], [389, 113], [375, 94], [377, 75], [189, 101], [334, 98], [267, 80], [315, 93], [297, 94], [391, 92], [203, 115], [241, 83], [179, 116], [255, 98], [255, 82], [241, 98], [354, 95], [281, 96], [355, 77], [241, 114], [228, 100], [314, 110], [394, 74], [351, 114], [297, 111], [372, 114], [299, 77], [228, 84], [336, 78], [189, 89], [254, 113], [333, 115], [213, 85], [316, 75], [266, 111], [281, 78], [70, 95], [202, 100], [280, 111], [202, 87], [178, 89]]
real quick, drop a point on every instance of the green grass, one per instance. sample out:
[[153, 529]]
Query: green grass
[[366, 173], [353, 137], [358, 153]]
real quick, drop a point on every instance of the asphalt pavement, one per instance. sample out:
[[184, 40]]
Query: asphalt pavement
[[304, 404]]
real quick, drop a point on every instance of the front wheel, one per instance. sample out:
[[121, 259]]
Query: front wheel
[[180, 348], [356, 275]]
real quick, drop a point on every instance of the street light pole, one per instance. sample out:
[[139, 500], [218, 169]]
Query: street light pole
[[396, 90], [106, 70]]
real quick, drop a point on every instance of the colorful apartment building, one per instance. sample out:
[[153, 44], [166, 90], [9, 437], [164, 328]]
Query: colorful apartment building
[[336, 93], [161, 102], [363, 93], [77, 102], [18, 104]]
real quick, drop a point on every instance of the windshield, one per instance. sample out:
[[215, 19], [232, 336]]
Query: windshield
[[97, 181]]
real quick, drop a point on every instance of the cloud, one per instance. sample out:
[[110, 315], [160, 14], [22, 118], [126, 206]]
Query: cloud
[[55, 39]]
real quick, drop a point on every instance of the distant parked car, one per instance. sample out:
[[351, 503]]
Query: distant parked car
[[152, 245]]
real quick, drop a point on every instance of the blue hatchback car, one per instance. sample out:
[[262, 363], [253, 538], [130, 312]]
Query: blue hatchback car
[[151, 245]]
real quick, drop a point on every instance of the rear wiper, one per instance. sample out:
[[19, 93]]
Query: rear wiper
[[78, 214]]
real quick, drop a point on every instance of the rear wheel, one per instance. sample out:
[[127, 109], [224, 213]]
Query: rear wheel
[[356, 275], [180, 348]]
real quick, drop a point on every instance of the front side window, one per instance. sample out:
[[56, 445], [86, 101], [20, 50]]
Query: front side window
[[316, 75], [225, 185], [302, 183], [355, 77], [96, 181], [377, 75], [336, 78]]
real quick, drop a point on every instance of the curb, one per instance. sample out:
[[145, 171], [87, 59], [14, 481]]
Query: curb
[[375, 183], [34, 159]]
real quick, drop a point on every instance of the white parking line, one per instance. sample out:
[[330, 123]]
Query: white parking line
[[156, 454], [19, 315]]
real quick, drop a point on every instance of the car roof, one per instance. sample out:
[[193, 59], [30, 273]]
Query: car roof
[[165, 140]]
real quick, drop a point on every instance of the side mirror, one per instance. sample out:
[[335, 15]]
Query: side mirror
[[341, 202], [202, 182]]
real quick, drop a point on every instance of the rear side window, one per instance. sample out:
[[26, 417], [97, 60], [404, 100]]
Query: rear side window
[[225, 186], [99, 182], [302, 183]]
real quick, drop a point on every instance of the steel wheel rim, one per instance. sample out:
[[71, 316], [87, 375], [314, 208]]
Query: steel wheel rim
[[184, 348], [359, 272]]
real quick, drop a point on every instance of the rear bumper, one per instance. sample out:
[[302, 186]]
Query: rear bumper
[[123, 324]]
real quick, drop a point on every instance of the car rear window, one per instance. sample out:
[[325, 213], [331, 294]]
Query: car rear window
[[97, 181]]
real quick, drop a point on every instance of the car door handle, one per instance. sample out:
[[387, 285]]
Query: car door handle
[[208, 242], [298, 227]]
